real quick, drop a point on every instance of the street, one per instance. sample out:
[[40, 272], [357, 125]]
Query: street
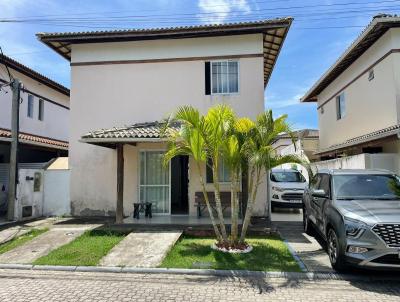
[[26, 285]]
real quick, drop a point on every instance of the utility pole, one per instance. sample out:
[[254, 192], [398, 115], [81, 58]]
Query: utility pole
[[12, 187]]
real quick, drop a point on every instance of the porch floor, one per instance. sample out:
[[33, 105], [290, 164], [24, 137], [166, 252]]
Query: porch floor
[[179, 220]]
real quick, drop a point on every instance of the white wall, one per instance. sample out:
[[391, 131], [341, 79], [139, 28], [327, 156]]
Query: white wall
[[387, 161], [110, 95], [56, 193], [165, 49], [26, 195], [56, 118], [370, 105]]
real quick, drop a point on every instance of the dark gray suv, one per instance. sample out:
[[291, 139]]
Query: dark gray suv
[[357, 212]]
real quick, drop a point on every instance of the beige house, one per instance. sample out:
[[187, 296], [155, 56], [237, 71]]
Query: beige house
[[359, 100], [124, 82]]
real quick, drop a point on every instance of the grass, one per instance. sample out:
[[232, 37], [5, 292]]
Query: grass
[[268, 254], [85, 250], [20, 240]]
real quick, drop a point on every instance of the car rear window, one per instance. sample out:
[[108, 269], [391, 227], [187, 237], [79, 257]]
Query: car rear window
[[365, 186], [287, 177]]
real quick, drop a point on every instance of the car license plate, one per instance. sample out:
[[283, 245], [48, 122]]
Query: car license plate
[[295, 201]]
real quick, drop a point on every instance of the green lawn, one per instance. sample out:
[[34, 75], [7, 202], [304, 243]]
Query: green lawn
[[20, 240], [268, 254], [86, 250]]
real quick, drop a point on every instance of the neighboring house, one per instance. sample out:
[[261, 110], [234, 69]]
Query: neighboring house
[[358, 100], [125, 81], [305, 146], [43, 117]]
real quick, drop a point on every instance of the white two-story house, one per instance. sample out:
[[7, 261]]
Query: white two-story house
[[125, 81], [43, 117], [359, 101]]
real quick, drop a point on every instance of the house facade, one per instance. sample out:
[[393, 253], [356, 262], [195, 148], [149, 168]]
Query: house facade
[[358, 99], [43, 117], [125, 82]]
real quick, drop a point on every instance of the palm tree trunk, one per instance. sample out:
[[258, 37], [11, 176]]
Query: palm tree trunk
[[234, 209], [210, 212], [253, 187], [218, 203]]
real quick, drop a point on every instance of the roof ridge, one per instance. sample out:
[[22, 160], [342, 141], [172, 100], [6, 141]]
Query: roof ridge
[[18, 66]]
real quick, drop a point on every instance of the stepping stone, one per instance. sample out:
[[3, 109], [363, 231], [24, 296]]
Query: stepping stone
[[41, 245], [8, 234], [142, 249]]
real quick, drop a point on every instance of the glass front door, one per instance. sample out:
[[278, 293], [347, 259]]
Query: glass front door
[[154, 181]]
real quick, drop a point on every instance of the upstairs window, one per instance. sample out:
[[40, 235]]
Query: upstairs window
[[340, 106], [30, 106], [41, 110], [224, 77]]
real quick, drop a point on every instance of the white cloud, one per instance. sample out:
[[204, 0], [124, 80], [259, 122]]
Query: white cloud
[[277, 103], [218, 11]]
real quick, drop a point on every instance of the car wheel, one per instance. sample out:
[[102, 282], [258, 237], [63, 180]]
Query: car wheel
[[307, 223], [335, 252]]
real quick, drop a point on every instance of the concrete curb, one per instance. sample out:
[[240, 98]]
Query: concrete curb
[[295, 256], [310, 276]]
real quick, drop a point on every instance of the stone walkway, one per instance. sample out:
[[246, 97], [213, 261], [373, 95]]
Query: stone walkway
[[50, 286], [307, 247], [141, 249], [43, 244]]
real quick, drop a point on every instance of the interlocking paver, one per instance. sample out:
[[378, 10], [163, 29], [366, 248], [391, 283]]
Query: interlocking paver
[[16, 285]]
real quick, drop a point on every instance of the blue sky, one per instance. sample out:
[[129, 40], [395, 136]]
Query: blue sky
[[322, 30]]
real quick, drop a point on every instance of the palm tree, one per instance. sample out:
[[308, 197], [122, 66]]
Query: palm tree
[[261, 157], [189, 140]]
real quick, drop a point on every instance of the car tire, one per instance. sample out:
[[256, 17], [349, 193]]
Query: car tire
[[335, 253], [308, 229]]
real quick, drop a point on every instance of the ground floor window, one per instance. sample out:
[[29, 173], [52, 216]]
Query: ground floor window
[[154, 181]]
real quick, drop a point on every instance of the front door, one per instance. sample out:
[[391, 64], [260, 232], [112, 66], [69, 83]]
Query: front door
[[154, 183], [179, 185]]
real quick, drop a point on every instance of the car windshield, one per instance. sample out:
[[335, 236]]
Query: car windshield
[[287, 177], [379, 187]]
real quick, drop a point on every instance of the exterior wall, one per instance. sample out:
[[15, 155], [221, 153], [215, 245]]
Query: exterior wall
[[370, 105], [56, 118], [56, 193], [387, 161], [110, 95]]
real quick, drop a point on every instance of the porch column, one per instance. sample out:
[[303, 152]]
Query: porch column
[[119, 215]]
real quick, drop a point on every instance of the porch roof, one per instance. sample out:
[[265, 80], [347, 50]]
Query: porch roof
[[31, 139], [140, 132]]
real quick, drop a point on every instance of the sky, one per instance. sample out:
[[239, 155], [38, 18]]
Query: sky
[[321, 31]]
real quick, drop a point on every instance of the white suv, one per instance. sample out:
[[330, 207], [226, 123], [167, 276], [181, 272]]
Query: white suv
[[286, 187]]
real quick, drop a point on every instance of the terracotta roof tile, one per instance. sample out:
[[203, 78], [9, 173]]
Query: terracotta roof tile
[[392, 130], [139, 130], [27, 138]]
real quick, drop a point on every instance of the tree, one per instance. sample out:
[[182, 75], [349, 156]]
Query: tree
[[242, 145], [261, 157], [187, 139]]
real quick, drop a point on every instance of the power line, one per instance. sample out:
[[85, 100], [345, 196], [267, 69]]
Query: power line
[[216, 12], [197, 15]]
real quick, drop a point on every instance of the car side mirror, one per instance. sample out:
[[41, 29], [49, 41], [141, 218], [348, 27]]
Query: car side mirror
[[319, 193]]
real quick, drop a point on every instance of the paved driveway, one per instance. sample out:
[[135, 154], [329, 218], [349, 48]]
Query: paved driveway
[[25, 286], [308, 248]]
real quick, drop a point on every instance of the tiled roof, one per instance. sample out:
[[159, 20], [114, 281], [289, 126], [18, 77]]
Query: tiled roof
[[274, 33], [35, 139], [378, 27], [151, 130], [393, 130], [11, 63]]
